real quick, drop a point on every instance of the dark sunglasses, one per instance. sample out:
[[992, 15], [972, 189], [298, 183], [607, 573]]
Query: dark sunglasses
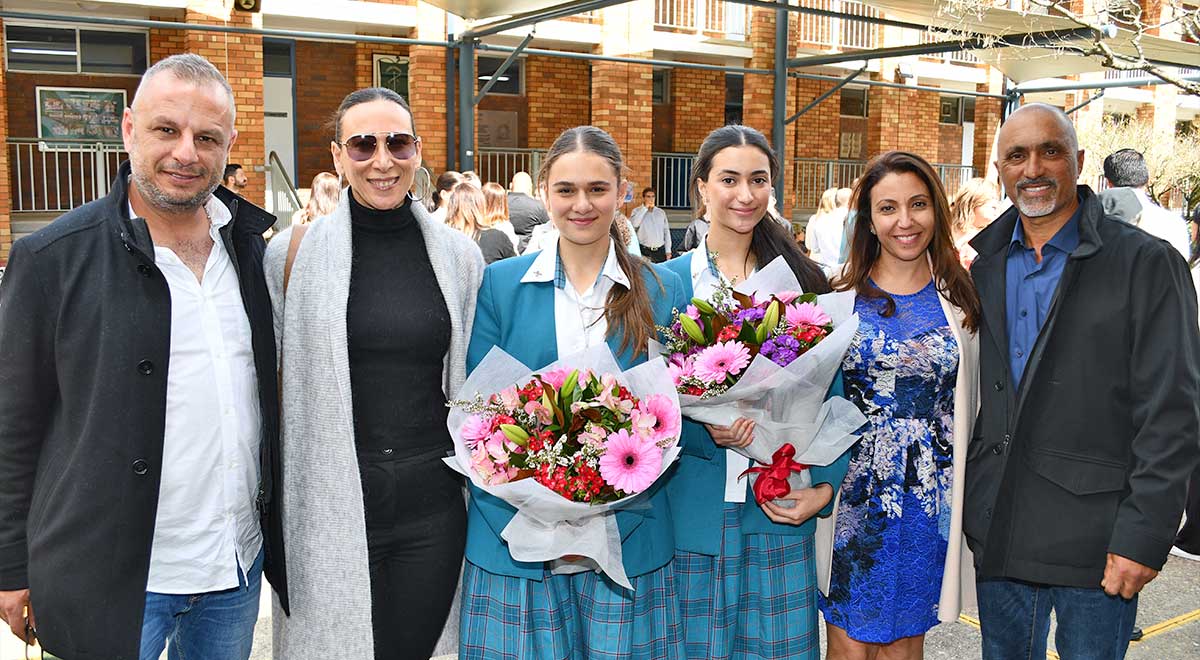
[[362, 147]]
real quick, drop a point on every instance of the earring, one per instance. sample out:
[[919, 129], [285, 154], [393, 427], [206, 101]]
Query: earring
[[871, 228]]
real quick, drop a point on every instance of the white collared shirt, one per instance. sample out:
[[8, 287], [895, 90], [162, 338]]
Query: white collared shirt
[[207, 524], [705, 279], [1164, 224], [579, 320]]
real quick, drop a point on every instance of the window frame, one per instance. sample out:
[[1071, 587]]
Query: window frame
[[958, 110], [866, 101], [377, 80], [518, 64], [77, 28]]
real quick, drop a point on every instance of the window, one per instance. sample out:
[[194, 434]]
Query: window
[[734, 90], [662, 86], [72, 50], [392, 72], [1186, 128], [854, 102], [510, 83], [968, 114], [277, 58], [950, 110]]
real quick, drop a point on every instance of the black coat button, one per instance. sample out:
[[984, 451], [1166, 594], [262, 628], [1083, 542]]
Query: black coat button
[[144, 270], [140, 467], [998, 449], [145, 367], [998, 385]]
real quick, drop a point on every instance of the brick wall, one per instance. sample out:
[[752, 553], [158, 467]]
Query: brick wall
[[987, 122], [5, 187], [950, 137], [818, 131], [239, 57], [621, 104], [165, 43], [326, 74], [558, 93], [902, 119], [698, 98]]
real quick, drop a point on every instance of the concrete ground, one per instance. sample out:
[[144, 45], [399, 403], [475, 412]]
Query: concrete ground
[[1168, 612]]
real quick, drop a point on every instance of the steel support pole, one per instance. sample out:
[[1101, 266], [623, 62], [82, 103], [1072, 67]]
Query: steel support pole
[[451, 104], [466, 107], [1098, 94], [779, 106], [508, 61]]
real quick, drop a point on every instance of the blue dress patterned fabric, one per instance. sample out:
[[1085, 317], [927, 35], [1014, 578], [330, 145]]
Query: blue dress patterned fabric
[[893, 519]]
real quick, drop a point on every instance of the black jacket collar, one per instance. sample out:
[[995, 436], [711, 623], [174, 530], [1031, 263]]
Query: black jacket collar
[[994, 240], [247, 218]]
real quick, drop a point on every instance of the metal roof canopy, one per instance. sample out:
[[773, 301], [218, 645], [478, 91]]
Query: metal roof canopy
[[1050, 57]]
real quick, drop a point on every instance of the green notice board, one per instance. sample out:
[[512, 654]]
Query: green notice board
[[73, 113]]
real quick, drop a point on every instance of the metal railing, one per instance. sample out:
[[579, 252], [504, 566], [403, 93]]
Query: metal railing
[[954, 176], [670, 177], [813, 176], [55, 176], [730, 19], [282, 199], [499, 165], [839, 33]]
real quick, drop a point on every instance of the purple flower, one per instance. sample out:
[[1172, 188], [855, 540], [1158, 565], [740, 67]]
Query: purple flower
[[751, 314], [781, 349]]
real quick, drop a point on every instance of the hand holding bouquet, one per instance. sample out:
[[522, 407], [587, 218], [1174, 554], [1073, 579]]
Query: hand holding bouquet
[[765, 351], [567, 447]]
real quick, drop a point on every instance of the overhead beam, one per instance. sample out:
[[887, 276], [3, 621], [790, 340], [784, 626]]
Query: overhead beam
[[228, 29], [826, 13], [1106, 84], [1099, 94], [508, 61], [830, 92], [1042, 39], [540, 15]]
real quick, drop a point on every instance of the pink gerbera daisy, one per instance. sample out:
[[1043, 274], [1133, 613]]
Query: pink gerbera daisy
[[806, 313], [679, 369], [556, 377], [658, 416], [630, 464], [476, 428], [721, 360]]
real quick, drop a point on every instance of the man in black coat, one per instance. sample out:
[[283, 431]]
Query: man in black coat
[[138, 402], [524, 211], [1088, 425]]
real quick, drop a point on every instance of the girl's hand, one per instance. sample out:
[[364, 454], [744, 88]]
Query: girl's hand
[[808, 501], [739, 434]]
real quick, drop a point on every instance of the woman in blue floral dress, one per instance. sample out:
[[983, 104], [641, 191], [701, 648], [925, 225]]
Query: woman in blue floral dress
[[897, 520]]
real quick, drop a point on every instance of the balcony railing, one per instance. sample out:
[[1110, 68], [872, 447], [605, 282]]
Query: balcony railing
[[839, 33], [670, 176], [499, 165], [703, 17], [59, 175]]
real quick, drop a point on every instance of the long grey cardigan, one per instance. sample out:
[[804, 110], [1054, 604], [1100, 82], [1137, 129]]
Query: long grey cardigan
[[323, 525]]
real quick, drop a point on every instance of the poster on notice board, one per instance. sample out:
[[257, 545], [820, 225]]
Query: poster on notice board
[[74, 113]]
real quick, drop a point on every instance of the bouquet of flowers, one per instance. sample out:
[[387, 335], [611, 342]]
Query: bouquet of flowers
[[765, 351], [567, 447]]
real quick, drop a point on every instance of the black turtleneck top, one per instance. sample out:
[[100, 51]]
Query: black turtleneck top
[[399, 332]]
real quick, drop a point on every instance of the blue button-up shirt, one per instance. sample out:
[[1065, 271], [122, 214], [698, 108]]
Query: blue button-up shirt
[[1030, 287]]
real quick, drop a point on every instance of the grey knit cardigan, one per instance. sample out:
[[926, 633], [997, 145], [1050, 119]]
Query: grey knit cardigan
[[323, 525]]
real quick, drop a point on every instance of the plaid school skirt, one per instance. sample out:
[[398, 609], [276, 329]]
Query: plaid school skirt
[[567, 617], [757, 600]]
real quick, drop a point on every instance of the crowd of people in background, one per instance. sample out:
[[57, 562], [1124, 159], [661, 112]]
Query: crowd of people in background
[[1028, 376]]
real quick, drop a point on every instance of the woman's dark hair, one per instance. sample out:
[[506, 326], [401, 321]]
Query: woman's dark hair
[[360, 96], [629, 309], [951, 278], [769, 239], [445, 181]]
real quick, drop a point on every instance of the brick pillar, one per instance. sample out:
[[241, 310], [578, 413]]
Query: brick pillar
[[622, 94], [904, 119], [758, 95], [557, 90], [427, 87], [5, 184], [165, 43], [987, 123], [699, 106], [239, 57]]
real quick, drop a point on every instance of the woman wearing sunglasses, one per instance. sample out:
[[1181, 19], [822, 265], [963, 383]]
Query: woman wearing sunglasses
[[373, 310]]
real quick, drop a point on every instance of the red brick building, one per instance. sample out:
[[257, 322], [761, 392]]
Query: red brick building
[[288, 86]]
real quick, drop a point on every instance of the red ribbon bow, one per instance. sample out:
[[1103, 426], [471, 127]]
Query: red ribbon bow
[[772, 482]]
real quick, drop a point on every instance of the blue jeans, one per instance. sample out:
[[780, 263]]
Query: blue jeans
[[1015, 621], [212, 626]]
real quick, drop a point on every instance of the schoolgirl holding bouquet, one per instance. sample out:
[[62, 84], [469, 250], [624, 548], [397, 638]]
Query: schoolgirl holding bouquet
[[747, 583], [898, 557], [583, 290]]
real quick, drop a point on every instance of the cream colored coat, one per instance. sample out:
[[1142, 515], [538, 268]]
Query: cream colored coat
[[958, 575]]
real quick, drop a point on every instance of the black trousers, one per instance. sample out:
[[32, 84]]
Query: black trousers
[[416, 532], [657, 255], [1188, 539]]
